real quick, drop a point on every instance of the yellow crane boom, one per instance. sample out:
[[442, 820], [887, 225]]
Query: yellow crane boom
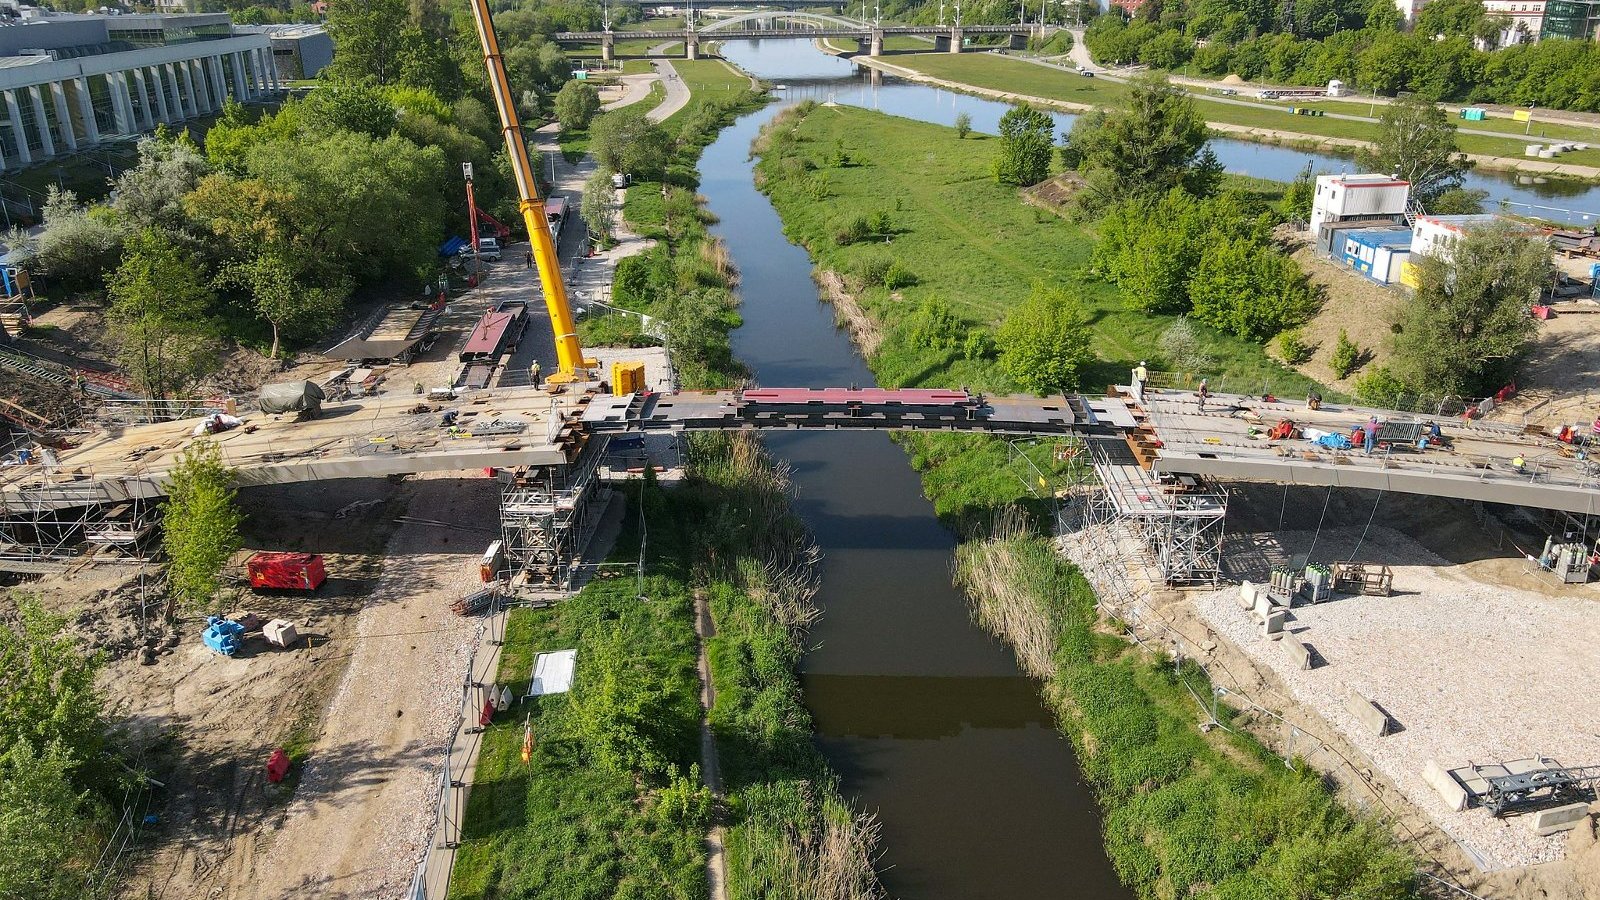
[[569, 355]]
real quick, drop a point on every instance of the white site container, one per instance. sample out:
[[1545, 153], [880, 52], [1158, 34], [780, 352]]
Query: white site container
[[1435, 235], [1341, 197]]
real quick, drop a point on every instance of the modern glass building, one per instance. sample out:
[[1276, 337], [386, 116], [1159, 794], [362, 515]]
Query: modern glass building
[[72, 81], [1575, 19]]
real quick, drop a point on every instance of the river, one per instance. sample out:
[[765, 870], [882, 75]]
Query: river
[[927, 719], [808, 72]]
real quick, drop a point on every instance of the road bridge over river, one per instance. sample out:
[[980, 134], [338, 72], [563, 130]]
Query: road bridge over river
[[1155, 459], [763, 25]]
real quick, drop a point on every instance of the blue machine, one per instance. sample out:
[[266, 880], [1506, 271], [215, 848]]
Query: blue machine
[[222, 635]]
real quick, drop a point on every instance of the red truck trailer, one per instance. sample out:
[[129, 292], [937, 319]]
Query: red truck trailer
[[286, 571]]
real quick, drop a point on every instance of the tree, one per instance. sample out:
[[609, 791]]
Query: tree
[[78, 246], [200, 524], [1242, 288], [158, 315], [1045, 341], [1146, 147], [1297, 199], [1467, 323], [598, 199], [1459, 202], [1027, 140], [1416, 142], [1450, 17], [625, 141], [48, 697], [47, 839], [1204, 178], [357, 107], [280, 293], [393, 42], [1181, 347], [1346, 355], [150, 195], [963, 126], [576, 105]]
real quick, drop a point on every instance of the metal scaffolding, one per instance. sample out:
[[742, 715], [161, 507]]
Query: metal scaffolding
[[1179, 519], [40, 536], [547, 514]]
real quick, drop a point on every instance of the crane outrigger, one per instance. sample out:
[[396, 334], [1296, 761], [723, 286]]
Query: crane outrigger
[[570, 361]]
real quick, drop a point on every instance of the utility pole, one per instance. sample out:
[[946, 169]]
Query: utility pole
[[941, 13]]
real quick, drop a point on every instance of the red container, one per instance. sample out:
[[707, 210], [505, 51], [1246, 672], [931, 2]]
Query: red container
[[287, 571]]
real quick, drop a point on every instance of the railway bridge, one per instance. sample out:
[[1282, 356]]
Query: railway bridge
[[1159, 461], [762, 24]]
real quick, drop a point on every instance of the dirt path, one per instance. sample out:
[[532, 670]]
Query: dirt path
[[710, 767], [677, 92], [360, 820]]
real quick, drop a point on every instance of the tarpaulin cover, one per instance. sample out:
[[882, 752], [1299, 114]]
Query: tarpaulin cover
[[454, 246], [293, 571], [222, 635], [291, 396]]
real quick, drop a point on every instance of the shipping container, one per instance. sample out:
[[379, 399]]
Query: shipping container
[[1377, 253], [1341, 197]]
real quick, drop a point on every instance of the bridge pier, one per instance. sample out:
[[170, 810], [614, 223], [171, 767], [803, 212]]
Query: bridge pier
[[608, 47], [955, 39], [691, 46], [875, 43]]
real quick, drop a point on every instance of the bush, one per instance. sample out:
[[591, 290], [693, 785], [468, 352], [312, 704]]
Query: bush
[[1379, 387], [897, 276], [934, 326], [855, 229], [1181, 347], [1293, 348], [1046, 341], [963, 125], [882, 223], [871, 270], [1346, 356], [200, 523]]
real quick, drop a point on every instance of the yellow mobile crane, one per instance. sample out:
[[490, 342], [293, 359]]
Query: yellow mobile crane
[[569, 355]]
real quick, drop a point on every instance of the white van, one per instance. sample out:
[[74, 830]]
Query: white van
[[489, 248]]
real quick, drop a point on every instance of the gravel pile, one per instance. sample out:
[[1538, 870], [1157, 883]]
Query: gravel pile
[[1470, 672]]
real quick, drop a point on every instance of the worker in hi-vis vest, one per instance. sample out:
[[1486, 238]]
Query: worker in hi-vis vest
[[1140, 376]]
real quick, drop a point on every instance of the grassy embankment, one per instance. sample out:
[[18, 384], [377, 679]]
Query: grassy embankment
[[1000, 73], [609, 805], [975, 252], [1187, 814]]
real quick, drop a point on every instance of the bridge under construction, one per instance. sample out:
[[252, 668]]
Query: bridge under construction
[[1160, 462]]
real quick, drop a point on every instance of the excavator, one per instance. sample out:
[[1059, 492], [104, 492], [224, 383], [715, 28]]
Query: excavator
[[571, 365]]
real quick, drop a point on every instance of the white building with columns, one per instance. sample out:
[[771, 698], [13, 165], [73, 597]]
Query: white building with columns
[[70, 82]]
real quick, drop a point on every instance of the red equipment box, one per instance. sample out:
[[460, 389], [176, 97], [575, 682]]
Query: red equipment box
[[289, 571]]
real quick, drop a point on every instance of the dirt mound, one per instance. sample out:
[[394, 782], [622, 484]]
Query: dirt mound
[[1232, 79]]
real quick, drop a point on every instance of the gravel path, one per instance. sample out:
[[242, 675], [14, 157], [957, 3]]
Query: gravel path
[[1470, 672], [361, 816]]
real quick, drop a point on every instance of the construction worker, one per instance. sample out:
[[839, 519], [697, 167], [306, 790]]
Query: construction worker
[[1142, 375], [1371, 437], [533, 373], [1203, 392], [529, 259], [1519, 464], [1313, 400]]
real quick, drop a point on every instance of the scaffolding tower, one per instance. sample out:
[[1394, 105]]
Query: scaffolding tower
[[1178, 519], [41, 535], [547, 514]]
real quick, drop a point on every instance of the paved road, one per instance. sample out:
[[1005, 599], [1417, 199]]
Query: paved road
[[677, 91], [638, 88]]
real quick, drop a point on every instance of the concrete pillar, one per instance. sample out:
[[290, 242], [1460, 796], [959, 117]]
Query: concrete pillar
[[47, 141], [163, 108], [608, 47], [252, 65], [691, 47], [955, 39], [91, 128], [195, 77], [875, 43], [146, 114], [219, 85], [58, 96], [121, 105], [191, 103], [241, 89], [24, 155], [272, 69]]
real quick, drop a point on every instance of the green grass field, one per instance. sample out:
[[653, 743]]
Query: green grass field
[[996, 72], [971, 243]]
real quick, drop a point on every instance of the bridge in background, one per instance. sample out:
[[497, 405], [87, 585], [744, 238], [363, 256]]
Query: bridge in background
[[1158, 462], [749, 25]]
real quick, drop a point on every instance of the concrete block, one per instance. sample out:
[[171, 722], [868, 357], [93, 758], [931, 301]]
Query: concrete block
[[1247, 595], [1272, 625], [1300, 653], [1450, 791], [1368, 714], [1264, 606], [1559, 818]]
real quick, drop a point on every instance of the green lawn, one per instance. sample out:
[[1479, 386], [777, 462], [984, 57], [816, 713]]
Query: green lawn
[[995, 72], [971, 243]]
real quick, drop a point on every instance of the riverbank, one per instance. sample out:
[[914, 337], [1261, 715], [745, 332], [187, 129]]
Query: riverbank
[[623, 796], [973, 251], [1054, 93]]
